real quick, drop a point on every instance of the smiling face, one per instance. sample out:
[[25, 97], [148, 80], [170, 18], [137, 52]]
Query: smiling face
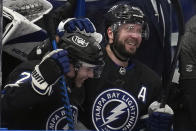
[[128, 38], [83, 74]]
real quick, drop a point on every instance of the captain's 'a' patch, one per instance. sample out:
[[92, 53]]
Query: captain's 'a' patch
[[114, 110]]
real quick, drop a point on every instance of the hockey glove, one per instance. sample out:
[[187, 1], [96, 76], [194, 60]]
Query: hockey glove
[[72, 24], [160, 119], [83, 26], [48, 72]]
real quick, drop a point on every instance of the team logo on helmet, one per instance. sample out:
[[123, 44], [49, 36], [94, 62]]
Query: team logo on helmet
[[79, 41], [114, 110], [57, 120]]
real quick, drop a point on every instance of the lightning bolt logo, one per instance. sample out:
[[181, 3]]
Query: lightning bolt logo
[[115, 113]]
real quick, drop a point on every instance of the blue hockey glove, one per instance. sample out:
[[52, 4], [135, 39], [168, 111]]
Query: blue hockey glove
[[83, 26], [48, 72], [160, 119], [73, 24]]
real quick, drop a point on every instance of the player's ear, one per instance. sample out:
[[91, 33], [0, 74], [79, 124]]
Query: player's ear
[[71, 73], [110, 35]]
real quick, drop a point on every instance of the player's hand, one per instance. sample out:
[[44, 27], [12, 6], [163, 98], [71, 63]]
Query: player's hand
[[52, 66], [73, 24], [160, 119], [83, 26]]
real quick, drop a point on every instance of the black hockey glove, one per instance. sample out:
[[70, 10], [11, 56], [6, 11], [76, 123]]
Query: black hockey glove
[[48, 72]]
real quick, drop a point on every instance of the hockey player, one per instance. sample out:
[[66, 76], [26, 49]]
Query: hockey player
[[127, 90], [185, 119], [158, 15], [33, 95]]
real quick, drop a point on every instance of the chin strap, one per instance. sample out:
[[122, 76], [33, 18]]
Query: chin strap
[[118, 55]]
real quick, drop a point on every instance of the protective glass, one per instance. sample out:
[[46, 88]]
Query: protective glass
[[130, 28], [97, 69]]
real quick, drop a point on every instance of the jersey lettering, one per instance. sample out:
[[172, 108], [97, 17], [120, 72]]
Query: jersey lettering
[[57, 119], [142, 94]]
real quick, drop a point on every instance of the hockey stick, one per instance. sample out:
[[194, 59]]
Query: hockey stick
[[51, 30], [80, 9], [1, 25], [167, 77], [52, 33], [79, 12]]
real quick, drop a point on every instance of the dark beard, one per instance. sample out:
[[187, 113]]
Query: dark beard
[[119, 50]]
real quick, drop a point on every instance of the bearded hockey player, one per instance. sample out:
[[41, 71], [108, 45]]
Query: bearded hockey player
[[127, 90]]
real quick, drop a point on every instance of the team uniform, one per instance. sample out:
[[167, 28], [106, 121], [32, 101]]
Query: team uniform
[[158, 15], [34, 96], [23, 108], [118, 99], [185, 117]]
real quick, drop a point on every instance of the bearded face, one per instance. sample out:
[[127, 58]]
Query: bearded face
[[127, 39]]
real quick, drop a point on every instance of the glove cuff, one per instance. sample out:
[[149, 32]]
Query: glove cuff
[[155, 107], [44, 76], [38, 82], [62, 24]]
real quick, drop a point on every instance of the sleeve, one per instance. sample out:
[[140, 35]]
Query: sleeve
[[18, 93], [189, 98], [188, 57], [39, 51], [19, 100], [62, 12], [56, 16], [187, 69]]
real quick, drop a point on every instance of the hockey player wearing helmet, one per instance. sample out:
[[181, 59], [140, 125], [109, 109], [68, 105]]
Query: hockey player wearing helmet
[[32, 97], [127, 90]]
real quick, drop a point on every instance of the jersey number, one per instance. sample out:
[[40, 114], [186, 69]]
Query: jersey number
[[24, 76]]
